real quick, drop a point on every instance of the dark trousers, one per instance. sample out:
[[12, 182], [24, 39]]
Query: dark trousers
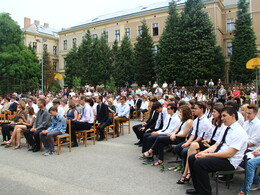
[[139, 134], [77, 125], [182, 153], [6, 132], [163, 141], [34, 140], [200, 169], [149, 140], [47, 140], [101, 127]]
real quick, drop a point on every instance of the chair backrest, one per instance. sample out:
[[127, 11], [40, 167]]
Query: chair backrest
[[10, 117], [7, 112], [2, 117], [68, 122]]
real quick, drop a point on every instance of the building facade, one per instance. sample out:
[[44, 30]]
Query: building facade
[[221, 12]]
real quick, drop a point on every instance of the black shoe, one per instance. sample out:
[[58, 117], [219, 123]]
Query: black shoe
[[32, 148], [36, 149], [225, 178], [137, 143], [140, 145], [192, 191], [101, 139], [74, 145]]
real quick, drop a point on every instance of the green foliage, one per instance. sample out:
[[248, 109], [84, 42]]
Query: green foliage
[[111, 84], [48, 73], [76, 81], [188, 47], [144, 64], [72, 69], [16, 60], [124, 63], [243, 45], [167, 55], [55, 87]]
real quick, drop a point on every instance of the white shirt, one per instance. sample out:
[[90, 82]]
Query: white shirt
[[144, 105], [87, 114], [48, 106], [169, 128], [236, 138], [130, 102], [161, 118], [253, 96], [164, 85], [72, 94], [61, 110], [252, 129], [204, 130], [219, 130], [240, 119]]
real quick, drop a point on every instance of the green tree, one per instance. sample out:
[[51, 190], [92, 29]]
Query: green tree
[[198, 56], [167, 55], [144, 64], [73, 69], [101, 61], [48, 73], [16, 60], [243, 45], [124, 63]]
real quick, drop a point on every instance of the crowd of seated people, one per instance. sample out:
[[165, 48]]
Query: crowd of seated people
[[208, 137]]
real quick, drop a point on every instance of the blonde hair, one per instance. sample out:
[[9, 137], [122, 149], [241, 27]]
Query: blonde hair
[[110, 100]]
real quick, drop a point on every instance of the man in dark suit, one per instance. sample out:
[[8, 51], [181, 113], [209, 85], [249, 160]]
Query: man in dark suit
[[102, 117], [149, 124], [13, 105], [138, 102]]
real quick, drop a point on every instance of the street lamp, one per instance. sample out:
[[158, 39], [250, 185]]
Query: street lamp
[[39, 41]]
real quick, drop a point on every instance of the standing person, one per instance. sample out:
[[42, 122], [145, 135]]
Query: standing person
[[222, 94], [43, 121], [122, 114], [225, 155], [102, 117], [58, 127], [84, 123]]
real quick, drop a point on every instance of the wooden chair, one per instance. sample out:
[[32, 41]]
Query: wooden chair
[[10, 117], [112, 126], [7, 112], [134, 115], [239, 170], [2, 118], [87, 134], [125, 124], [64, 137]]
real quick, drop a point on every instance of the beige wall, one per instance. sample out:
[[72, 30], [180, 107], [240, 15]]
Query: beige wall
[[217, 13]]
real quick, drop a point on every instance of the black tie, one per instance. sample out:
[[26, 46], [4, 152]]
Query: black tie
[[167, 125], [179, 128], [223, 140], [197, 129], [214, 133]]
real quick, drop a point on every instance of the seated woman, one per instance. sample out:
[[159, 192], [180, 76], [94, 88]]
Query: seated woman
[[195, 147], [176, 137], [143, 108], [23, 125], [7, 128], [72, 113]]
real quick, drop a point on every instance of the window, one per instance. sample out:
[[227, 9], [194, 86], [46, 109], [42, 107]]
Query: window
[[54, 50], [74, 42], [117, 35], [155, 29], [155, 49], [230, 25], [45, 47], [106, 36], [65, 44], [55, 66], [35, 47], [127, 32], [229, 49], [140, 30], [94, 36]]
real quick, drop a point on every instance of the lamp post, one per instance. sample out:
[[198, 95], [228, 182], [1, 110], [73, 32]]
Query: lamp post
[[42, 41]]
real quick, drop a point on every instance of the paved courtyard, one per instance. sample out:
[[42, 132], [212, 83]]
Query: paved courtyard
[[109, 167]]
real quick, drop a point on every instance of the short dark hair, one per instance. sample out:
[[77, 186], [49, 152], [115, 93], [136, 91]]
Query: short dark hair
[[53, 108], [230, 110], [201, 105], [84, 98], [156, 105], [254, 107], [232, 104], [123, 97], [42, 101], [172, 106], [56, 101]]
